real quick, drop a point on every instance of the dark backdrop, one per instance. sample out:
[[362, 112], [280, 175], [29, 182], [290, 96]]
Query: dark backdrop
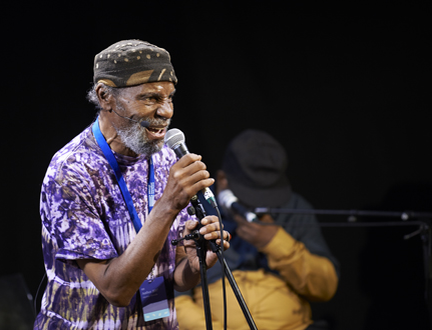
[[345, 88]]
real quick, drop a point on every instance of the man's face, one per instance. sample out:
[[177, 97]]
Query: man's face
[[151, 102]]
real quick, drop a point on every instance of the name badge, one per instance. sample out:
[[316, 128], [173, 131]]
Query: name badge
[[154, 299]]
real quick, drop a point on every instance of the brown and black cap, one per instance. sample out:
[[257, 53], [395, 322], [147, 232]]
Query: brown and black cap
[[133, 62]]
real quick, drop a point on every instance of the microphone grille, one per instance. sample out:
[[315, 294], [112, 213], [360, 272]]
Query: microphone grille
[[174, 137]]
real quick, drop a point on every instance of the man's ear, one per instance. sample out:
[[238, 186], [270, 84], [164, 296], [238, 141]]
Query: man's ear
[[105, 98]]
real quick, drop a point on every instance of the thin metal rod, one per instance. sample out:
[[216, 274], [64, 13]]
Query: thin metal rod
[[237, 293], [403, 215], [201, 251]]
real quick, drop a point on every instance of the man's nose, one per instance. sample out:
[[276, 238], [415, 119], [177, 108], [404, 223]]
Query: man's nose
[[165, 110]]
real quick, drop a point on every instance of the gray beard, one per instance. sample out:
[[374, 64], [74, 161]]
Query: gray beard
[[135, 138]]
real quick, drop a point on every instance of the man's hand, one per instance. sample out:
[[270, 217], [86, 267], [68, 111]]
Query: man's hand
[[259, 235], [187, 272], [188, 176], [255, 233], [211, 231]]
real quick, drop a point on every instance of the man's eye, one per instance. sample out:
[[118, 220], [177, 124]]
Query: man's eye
[[150, 100]]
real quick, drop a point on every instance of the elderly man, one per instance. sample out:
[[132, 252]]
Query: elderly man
[[281, 261], [113, 199]]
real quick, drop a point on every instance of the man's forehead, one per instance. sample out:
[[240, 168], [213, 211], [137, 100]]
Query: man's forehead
[[162, 88]]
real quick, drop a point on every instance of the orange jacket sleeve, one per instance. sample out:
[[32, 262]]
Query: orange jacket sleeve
[[310, 275]]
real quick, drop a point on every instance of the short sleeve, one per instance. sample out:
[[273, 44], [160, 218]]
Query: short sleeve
[[72, 218]]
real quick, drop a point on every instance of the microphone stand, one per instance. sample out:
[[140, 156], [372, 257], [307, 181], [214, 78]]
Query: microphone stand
[[201, 246]]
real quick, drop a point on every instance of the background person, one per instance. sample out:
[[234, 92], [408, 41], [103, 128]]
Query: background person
[[281, 262]]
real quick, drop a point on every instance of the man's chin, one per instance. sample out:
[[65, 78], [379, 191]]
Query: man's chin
[[148, 148]]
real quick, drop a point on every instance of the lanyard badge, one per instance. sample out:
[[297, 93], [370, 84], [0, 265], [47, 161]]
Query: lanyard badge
[[154, 299]]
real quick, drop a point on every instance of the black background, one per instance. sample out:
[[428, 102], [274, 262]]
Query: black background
[[346, 89]]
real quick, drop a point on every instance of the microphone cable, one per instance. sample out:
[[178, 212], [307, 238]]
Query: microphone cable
[[36, 313]]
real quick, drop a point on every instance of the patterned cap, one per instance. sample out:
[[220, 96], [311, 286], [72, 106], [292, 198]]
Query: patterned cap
[[132, 62]]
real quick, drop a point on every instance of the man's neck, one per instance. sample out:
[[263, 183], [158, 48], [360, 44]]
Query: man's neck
[[112, 138]]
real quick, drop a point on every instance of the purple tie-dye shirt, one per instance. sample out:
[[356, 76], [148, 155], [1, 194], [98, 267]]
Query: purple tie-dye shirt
[[84, 216]]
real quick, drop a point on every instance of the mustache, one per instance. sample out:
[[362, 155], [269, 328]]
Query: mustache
[[154, 121]]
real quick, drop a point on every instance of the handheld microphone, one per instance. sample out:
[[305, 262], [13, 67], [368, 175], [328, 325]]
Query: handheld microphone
[[229, 201], [143, 123], [175, 140]]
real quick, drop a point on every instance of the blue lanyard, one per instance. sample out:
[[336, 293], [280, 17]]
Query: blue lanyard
[[114, 165]]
